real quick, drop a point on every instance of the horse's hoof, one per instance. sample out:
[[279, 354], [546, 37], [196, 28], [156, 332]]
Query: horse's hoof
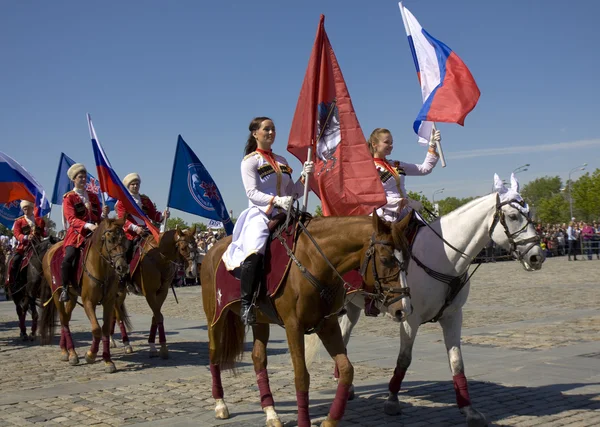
[[90, 357], [64, 356], [474, 417], [272, 417], [113, 343], [110, 368], [392, 406], [164, 352], [329, 423], [128, 349], [73, 359], [221, 411], [351, 393], [24, 337], [153, 354], [31, 337]]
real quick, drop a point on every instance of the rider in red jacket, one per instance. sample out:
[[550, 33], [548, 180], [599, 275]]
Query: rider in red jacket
[[82, 213], [25, 228]]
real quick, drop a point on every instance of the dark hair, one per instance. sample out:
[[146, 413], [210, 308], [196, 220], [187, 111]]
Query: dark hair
[[254, 126]]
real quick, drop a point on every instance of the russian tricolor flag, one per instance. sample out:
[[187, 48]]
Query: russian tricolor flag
[[448, 88], [16, 184], [112, 185]]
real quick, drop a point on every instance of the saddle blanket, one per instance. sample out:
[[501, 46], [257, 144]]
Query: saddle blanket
[[55, 267], [276, 266]]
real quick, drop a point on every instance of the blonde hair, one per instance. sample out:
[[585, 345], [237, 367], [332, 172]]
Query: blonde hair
[[374, 138]]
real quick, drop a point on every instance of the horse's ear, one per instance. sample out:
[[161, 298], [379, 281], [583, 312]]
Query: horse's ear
[[177, 234], [498, 184], [192, 231], [378, 223], [514, 184]]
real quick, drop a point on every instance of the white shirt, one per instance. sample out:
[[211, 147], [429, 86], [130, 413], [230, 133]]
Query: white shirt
[[393, 183]]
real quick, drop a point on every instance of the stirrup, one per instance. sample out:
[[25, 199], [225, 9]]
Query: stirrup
[[64, 295], [248, 316]]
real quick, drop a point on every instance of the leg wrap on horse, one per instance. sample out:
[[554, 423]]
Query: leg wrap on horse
[[152, 336], [339, 402], [106, 349], [162, 338], [21, 314], [461, 389], [95, 345], [396, 381], [266, 397], [217, 386], [303, 417], [63, 339], [68, 338], [124, 336]]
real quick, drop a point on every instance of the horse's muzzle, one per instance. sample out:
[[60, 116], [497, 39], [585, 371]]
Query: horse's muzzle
[[534, 259], [121, 267]]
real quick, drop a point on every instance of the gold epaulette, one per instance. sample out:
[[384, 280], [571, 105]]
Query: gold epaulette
[[254, 153], [67, 193]]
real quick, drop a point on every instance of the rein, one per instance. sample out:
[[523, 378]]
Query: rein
[[327, 293], [457, 283]]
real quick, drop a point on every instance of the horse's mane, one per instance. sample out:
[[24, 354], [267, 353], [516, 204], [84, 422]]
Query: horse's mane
[[463, 208]]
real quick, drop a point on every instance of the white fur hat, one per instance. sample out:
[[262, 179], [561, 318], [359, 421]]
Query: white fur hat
[[26, 203], [130, 178], [75, 169]]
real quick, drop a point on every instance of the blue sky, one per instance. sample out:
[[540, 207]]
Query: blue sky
[[148, 71]]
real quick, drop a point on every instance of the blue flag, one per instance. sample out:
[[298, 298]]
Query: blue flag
[[63, 184], [9, 212], [193, 190]]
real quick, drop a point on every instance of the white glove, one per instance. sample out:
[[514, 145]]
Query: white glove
[[90, 226], [309, 167], [435, 137], [415, 205], [283, 202]]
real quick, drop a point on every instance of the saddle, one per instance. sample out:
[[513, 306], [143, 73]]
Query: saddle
[[24, 264], [77, 273], [276, 264]]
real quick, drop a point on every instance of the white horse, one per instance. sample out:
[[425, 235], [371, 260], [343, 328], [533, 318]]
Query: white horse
[[448, 246]]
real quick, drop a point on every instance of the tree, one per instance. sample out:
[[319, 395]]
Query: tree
[[5, 231], [200, 226], [448, 204], [541, 188], [553, 210], [176, 222], [51, 227], [426, 204], [586, 199], [318, 211]]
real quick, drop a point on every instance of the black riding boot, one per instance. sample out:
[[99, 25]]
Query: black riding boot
[[249, 277], [65, 270]]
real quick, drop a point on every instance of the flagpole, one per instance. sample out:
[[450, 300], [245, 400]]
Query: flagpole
[[306, 181], [439, 147]]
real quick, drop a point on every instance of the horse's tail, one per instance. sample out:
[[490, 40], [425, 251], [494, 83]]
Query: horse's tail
[[229, 333], [48, 322], [312, 343], [124, 316]]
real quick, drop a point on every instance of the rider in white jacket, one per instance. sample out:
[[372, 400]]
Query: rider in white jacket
[[267, 179], [392, 173]]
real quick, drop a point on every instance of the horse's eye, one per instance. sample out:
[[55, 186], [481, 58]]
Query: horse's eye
[[513, 217]]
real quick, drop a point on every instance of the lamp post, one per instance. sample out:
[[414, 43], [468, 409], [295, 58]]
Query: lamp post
[[438, 191], [521, 168], [576, 169]]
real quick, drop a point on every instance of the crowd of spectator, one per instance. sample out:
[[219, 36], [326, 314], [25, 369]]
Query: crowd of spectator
[[573, 239]]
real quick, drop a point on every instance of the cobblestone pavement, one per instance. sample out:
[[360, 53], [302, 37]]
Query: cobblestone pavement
[[530, 343]]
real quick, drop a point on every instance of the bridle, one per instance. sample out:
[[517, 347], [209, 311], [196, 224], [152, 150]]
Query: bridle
[[500, 217], [112, 258], [383, 293]]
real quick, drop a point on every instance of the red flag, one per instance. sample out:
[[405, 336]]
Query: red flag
[[345, 177]]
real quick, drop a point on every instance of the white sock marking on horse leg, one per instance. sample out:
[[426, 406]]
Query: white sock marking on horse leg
[[271, 414]]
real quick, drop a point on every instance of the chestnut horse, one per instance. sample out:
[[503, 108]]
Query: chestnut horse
[[348, 243], [103, 265], [154, 274]]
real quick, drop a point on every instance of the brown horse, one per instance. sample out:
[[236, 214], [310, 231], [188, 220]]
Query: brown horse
[[103, 265], [3, 256], [154, 275], [349, 243]]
